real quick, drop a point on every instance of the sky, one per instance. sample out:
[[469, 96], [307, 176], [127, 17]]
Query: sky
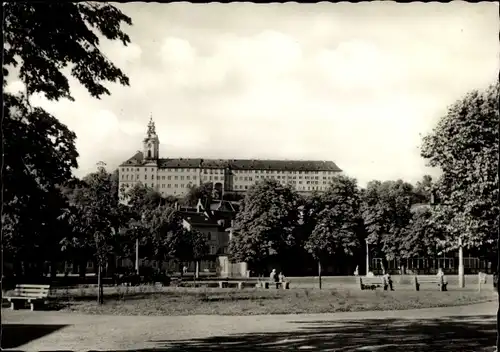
[[357, 84]]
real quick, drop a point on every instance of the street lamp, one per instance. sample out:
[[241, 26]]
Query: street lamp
[[367, 257]]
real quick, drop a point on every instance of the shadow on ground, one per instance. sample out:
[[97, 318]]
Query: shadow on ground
[[15, 335], [475, 334]]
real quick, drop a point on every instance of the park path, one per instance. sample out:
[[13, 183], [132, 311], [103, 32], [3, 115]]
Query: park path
[[101, 332]]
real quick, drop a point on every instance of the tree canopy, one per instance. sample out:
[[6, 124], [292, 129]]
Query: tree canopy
[[336, 220], [42, 43], [387, 212], [464, 146], [266, 224]]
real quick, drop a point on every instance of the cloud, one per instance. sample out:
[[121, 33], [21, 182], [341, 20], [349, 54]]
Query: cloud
[[354, 83]]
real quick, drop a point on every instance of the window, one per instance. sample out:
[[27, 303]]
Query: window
[[175, 186], [176, 177], [169, 185], [152, 177], [163, 185], [182, 177], [145, 177], [187, 177], [209, 236], [163, 177], [213, 250], [194, 177], [169, 177]]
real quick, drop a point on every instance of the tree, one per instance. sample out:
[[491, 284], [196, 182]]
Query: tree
[[142, 198], [193, 246], [335, 221], [164, 233], [96, 218], [203, 192], [386, 210], [464, 146], [422, 235], [266, 224], [423, 190], [41, 40]]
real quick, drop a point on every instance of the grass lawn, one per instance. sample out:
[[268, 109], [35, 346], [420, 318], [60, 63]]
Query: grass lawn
[[148, 300]]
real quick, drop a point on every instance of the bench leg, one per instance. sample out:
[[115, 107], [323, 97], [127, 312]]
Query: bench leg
[[16, 304], [240, 285]]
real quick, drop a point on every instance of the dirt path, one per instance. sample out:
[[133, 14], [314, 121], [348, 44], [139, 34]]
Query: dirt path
[[27, 331]]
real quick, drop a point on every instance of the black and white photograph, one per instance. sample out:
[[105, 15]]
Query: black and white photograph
[[250, 176]]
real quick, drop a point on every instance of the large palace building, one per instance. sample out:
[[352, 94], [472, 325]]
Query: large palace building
[[175, 176]]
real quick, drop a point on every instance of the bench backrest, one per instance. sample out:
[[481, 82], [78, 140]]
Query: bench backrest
[[368, 280], [430, 279], [34, 291]]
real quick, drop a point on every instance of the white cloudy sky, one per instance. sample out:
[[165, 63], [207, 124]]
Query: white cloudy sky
[[354, 83]]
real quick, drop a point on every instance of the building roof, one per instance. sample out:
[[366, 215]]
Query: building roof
[[198, 219], [239, 164], [224, 205], [136, 159]]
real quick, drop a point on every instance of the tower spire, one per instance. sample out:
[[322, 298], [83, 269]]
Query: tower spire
[[151, 126]]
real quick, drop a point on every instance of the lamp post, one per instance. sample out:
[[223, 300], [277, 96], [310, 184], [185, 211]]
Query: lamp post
[[367, 257], [137, 256]]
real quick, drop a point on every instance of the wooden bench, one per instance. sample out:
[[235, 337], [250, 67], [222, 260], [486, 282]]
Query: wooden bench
[[35, 295], [481, 280], [265, 284], [224, 284], [372, 283], [429, 280]]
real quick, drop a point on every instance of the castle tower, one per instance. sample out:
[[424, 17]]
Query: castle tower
[[151, 144]]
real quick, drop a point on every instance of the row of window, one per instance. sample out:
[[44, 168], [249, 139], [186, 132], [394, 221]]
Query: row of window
[[217, 178], [221, 171], [289, 178]]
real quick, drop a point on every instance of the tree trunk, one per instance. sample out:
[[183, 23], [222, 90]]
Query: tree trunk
[[319, 273], [53, 269], [197, 270], [100, 298], [82, 268]]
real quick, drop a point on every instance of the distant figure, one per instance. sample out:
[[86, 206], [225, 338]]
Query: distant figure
[[387, 282], [272, 276], [370, 274], [185, 270], [281, 277], [440, 274], [356, 272]]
